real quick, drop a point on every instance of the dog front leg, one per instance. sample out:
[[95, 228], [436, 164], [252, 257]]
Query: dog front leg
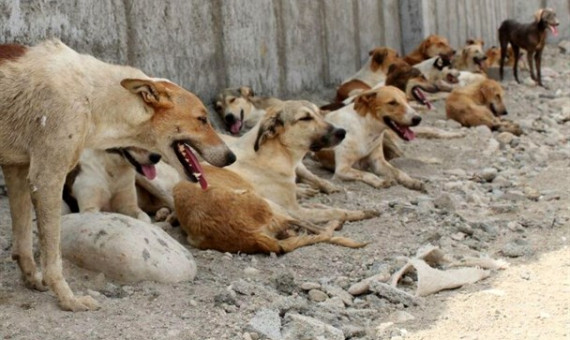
[[381, 167], [516, 51], [21, 213], [322, 215], [306, 176], [530, 67], [538, 61], [351, 174], [125, 202]]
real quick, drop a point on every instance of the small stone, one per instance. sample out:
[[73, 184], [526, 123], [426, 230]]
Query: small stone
[[93, 293], [458, 236], [266, 322], [339, 292], [488, 174], [516, 248], [505, 138], [334, 303], [483, 131], [564, 47], [303, 327], [393, 294], [285, 283], [316, 295], [401, 317], [531, 193], [250, 271], [465, 228], [310, 285], [444, 202], [492, 147]]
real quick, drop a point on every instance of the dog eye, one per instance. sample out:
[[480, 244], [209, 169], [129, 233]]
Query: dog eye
[[306, 118], [233, 99], [393, 102], [203, 120]]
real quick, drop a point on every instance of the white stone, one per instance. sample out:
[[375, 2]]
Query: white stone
[[303, 327]]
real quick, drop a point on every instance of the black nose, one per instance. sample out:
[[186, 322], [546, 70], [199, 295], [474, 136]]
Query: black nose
[[230, 118], [340, 134], [154, 158], [505, 113], [230, 158], [416, 120]]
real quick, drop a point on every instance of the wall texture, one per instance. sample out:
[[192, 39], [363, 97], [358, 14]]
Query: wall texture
[[279, 47]]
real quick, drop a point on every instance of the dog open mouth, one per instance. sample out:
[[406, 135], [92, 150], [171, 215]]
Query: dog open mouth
[[554, 29], [236, 125], [402, 131], [479, 61], [190, 162], [419, 96]]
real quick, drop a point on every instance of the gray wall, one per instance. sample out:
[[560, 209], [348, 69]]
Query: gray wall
[[280, 47]]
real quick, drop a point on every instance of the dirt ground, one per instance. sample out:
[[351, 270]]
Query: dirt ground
[[487, 195]]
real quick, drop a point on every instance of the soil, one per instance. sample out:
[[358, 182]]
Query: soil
[[486, 195]]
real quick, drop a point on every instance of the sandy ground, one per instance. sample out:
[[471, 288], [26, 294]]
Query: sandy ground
[[520, 215]]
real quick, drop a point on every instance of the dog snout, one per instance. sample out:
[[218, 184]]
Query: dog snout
[[230, 158], [416, 120], [339, 134], [230, 118], [154, 158]]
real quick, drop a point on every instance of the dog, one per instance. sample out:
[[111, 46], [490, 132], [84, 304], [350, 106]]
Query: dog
[[471, 58], [530, 37], [432, 46], [232, 217], [240, 109], [54, 102], [269, 154], [480, 103], [372, 114], [372, 73], [104, 180], [412, 81]]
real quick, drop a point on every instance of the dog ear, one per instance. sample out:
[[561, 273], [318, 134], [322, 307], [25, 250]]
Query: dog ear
[[151, 92], [538, 15], [487, 91], [268, 128], [363, 101], [379, 57], [470, 42], [218, 106], [246, 91]]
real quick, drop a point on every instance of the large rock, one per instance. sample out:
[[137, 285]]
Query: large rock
[[124, 249], [303, 327]]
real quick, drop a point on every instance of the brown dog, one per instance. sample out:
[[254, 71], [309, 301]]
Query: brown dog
[[432, 46], [530, 37], [471, 57], [480, 103], [410, 80]]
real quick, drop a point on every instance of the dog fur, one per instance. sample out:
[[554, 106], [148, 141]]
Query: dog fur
[[410, 80], [530, 37], [480, 103], [54, 102], [471, 57], [432, 46]]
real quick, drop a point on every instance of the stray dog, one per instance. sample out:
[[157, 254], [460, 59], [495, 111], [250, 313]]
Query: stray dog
[[530, 37], [372, 73], [494, 57], [432, 46], [480, 103], [232, 217], [54, 102], [269, 154], [411, 81], [104, 180], [471, 58], [367, 120], [241, 109]]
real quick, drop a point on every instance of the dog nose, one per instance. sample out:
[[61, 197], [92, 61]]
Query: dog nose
[[416, 120], [452, 52], [230, 118], [505, 113], [154, 158], [340, 134], [230, 158]]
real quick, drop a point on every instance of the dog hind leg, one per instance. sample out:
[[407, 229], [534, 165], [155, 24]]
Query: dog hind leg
[[504, 45], [530, 66], [516, 51], [538, 61]]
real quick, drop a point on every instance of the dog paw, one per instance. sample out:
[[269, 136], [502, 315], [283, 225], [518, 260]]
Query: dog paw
[[371, 213], [415, 185], [35, 282], [329, 188], [304, 192], [79, 304], [161, 214]]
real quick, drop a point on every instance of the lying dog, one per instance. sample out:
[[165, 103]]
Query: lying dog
[[373, 72], [104, 180], [411, 81], [480, 103], [269, 154], [432, 46], [54, 103], [471, 58], [232, 217], [241, 109], [367, 120], [530, 37], [494, 57]]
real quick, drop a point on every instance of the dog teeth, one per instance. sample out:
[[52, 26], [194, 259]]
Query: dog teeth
[[197, 175]]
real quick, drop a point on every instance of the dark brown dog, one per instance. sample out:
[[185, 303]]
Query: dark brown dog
[[530, 37]]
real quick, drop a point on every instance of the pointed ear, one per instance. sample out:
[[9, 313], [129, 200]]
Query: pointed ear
[[363, 101], [269, 128], [246, 91], [152, 93], [470, 42]]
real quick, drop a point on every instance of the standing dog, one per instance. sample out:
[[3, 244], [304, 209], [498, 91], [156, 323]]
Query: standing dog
[[530, 37], [432, 46], [54, 102]]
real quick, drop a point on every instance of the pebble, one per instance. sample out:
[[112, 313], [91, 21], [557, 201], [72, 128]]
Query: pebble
[[488, 174], [266, 322], [444, 202], [516, 248], [316, 295], [401, 316], [393, 294], [250, 271], [310, 285], [505, 138], [303, 327], [336, 291]]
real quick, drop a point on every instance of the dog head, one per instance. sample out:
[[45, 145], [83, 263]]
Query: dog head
[[142, 160], [389, 106], [475, 41], [381, 58], [435, 45], [441, 62], [547, 17], [492, 95], [473, 57], [178, 127], [410, 80], [299, 126], [234, 107], [450, 75]]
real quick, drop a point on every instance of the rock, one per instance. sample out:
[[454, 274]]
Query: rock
[[564, 47], [492, 147], [516, 248], [336, 291], [285, 304], [250, 271], [266, 322], [531, 193], [303, 327], [317, 295], [401, 317], [505, 138], [444, 202], [310, 285], [488, 174], [452, 124], [285, 283], [243, 287], [483, 131], [353, 332], [334, 303], [392, 294], [225, 298], [363, 286], [124, 249], [456, 172]]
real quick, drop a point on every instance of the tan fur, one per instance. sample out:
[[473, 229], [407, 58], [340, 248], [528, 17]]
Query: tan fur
[[471, 58], [432, 46], [55, 102], [494, 56], [480, 104], [230, 216], [365, 121], [407, 78]]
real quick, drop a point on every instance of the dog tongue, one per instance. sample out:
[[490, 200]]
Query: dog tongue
[[407, 133], [423, 98], [554, 30], [197, 167], [236, 127], [149, 171]]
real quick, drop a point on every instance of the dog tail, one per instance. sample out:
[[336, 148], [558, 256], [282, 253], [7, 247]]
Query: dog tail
[[346, 242]]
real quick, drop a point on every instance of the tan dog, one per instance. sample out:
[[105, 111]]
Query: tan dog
[[471, 58], [367, 120], [269, 154], [432, 46], [104, 180], [232, 217], [373, 72], [54, 103], [480, 103], [494, 56], [241, 109]]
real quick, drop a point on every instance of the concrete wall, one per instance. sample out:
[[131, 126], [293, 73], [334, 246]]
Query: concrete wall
[[280, 47]]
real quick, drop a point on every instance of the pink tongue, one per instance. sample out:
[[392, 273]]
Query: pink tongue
[[554, 30], [149, 171], [236, 127], [197, 167], [408, 133], [423, 97]]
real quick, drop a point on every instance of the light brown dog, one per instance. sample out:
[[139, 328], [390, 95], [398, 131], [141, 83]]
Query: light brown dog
[[480, 103], [372, 73], [494, 57], [230, 216], [471, 57], [432, 46], [54, 102]]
